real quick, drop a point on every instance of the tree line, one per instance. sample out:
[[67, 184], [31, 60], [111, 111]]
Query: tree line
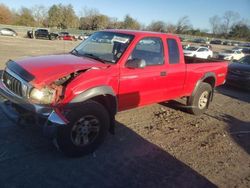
[[229, 25]]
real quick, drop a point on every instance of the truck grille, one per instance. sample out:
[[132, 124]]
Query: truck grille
[[12, 83]]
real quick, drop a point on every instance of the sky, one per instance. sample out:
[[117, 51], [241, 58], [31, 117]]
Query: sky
[[146, 11]]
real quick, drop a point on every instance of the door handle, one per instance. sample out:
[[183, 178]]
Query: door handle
[[164, 73]]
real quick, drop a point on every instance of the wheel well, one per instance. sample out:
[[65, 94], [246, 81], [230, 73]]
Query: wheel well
[[108, 101], [210, 80]]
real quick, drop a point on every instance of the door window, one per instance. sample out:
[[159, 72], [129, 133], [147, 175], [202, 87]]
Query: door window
[[173, 51], [150, 50]]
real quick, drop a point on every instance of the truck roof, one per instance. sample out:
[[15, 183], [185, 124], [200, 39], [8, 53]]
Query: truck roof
[[142, 33]]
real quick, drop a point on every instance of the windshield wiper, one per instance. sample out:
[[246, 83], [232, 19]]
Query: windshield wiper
[[75, 52], [95, 57]]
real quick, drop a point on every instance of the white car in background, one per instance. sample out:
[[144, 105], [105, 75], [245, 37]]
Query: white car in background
[[234, 54], [199, 52], [8, 32]]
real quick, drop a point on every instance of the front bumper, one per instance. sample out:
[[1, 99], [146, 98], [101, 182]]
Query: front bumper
[[9, 100]]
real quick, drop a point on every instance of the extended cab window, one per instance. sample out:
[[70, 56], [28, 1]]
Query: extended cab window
[[150, 50], [173, 51]]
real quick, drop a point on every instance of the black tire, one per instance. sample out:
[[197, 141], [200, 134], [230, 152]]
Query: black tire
[[80, 118], [198, 103]]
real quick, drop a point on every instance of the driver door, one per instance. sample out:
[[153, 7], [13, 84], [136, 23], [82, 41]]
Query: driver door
[[143, 85]]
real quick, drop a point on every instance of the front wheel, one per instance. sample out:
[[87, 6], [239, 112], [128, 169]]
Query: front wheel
[[87, 129], [198, 103]]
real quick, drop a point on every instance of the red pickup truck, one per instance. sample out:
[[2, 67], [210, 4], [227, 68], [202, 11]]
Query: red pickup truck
[[78, 94]]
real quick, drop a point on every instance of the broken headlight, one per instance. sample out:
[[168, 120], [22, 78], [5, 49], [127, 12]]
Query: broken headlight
[[42, 96]]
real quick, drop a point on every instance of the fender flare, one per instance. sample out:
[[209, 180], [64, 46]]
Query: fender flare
[[207, 75], [104, 91], [93, 92]]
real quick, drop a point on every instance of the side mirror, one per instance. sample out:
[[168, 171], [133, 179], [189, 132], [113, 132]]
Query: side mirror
[[136, 63]]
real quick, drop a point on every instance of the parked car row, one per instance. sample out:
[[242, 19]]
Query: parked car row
[[200, 40], [204, 51], [45, 34], [41, 33], [219, 42]]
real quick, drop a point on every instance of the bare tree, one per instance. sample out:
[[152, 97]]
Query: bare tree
[[89, 12], [183, 25], [215, 23], [170, 28], [158, 26], [229, 18], [89, 18], [40, 14], [114, 23]]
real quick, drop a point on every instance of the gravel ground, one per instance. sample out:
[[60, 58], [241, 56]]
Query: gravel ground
[[159, 145]]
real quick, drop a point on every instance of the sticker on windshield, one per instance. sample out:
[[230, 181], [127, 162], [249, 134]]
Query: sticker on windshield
[[120, 39]]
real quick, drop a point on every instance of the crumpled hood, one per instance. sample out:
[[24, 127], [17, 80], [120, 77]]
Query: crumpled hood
[[47, 69]]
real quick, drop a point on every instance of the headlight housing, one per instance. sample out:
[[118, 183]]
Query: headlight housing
[[42, 96]]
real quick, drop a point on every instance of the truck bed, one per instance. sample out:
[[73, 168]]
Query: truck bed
[[192, 60], [197, 68]]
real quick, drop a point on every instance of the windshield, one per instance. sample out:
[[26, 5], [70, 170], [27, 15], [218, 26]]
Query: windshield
[[104, 46], [245, 60], [191, 48]]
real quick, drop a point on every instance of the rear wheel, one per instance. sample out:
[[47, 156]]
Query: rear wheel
[[86, 131], [198, 103]]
